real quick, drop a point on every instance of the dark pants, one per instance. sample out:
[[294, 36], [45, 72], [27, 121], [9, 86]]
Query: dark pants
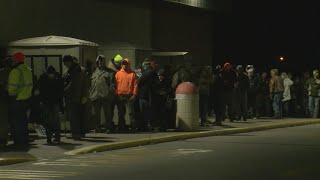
[[228, 103], [146, 110], [253, 105], [203, 107], [74, 112], [124, 105], [52, 121], [219, 108], [104, 104], [18, 118], [4, 123], [286, 108], [243, 105]]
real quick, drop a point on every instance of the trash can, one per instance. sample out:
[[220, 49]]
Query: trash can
[[4, 125], [187, 118]]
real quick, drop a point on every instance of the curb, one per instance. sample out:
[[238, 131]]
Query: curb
[[184, 136], [16, 158]]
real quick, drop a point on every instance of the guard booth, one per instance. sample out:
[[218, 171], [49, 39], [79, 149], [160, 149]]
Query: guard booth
[[135, 53], [42, 52], [172, 58]]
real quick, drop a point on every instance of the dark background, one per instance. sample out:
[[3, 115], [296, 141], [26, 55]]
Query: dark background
[[259, 32]]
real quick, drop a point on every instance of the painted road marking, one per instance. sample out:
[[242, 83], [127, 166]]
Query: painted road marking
[[34, 175], [191, 151]]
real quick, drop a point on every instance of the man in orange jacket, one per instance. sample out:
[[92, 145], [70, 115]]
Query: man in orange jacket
[[126, 91]]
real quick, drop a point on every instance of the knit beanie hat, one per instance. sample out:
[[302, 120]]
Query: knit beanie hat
[[18, 57], [118, 58]]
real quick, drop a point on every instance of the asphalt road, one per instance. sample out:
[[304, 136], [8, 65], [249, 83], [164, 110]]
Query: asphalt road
[[289, 153]]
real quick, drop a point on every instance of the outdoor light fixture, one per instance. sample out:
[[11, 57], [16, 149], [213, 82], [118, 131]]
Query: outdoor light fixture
[[281, 58]]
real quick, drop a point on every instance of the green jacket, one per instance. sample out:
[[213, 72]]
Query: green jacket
[[313, 87], [20, 82]]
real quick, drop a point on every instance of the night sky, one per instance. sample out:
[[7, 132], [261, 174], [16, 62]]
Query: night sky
[[259, 32]]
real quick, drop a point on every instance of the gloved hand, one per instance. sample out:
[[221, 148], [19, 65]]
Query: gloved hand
[[132, 98], [84, 100]]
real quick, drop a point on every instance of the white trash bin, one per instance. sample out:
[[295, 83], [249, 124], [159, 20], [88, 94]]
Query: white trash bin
[[187, 118]]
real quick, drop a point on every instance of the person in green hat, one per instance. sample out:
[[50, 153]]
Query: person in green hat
[[114, 66]]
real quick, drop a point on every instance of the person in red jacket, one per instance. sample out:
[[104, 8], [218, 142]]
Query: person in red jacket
[[126, 91]]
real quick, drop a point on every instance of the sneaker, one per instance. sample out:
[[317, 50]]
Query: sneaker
[[49, 141]]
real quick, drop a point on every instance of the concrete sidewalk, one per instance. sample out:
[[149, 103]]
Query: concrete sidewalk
[[98, 142]]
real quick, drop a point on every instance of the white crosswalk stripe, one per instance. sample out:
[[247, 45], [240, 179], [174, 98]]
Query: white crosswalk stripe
[[34, 175]]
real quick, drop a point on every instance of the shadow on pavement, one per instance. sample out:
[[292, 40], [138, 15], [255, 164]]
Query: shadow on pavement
[[14, 148], [96, 140]]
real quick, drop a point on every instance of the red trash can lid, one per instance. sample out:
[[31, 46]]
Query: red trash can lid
[[187, 88]]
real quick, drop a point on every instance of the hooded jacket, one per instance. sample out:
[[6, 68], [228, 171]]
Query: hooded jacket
[[126, 82], [102, 84], [75, 84]]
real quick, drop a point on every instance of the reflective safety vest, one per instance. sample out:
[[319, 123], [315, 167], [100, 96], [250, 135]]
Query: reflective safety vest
[[20, 82]]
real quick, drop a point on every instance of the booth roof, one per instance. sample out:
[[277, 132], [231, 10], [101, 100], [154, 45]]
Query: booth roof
[[169, 53], [51, 41]]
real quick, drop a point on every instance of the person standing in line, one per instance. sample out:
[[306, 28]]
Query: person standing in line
[[147, 89], [101, 93], [254, 93], [4, 101], [20, 85], [287, 82], [229, 80], [218, 99], [114, 66], [242, 86], [76, 95], [51, 95], [313, 87], [276, 88], [204, 82], [126, 91]]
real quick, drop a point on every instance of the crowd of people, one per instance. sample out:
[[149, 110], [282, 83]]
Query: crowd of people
[[147, 96], [82, 94], [243, 93]]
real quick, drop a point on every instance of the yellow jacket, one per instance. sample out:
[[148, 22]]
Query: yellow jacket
[[20, 82]]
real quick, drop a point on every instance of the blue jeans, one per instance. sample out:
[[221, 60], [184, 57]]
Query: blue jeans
[[277, 104], [314, 106]]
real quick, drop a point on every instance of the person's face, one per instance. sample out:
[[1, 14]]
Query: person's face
[[306, 75], [124, 66], [264, 75], [101, 63], [67, 64], [161, 78]]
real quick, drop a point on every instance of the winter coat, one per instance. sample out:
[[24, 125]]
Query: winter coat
[[229, 80], [4, 75], [102, 84], [254, 85], [183, 75], [313, 87], [242, 82], [276, 85], [217, 91], [51, 88], [204, 84], [126, 83], [287, 82], [147, 84], [75, 84]]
